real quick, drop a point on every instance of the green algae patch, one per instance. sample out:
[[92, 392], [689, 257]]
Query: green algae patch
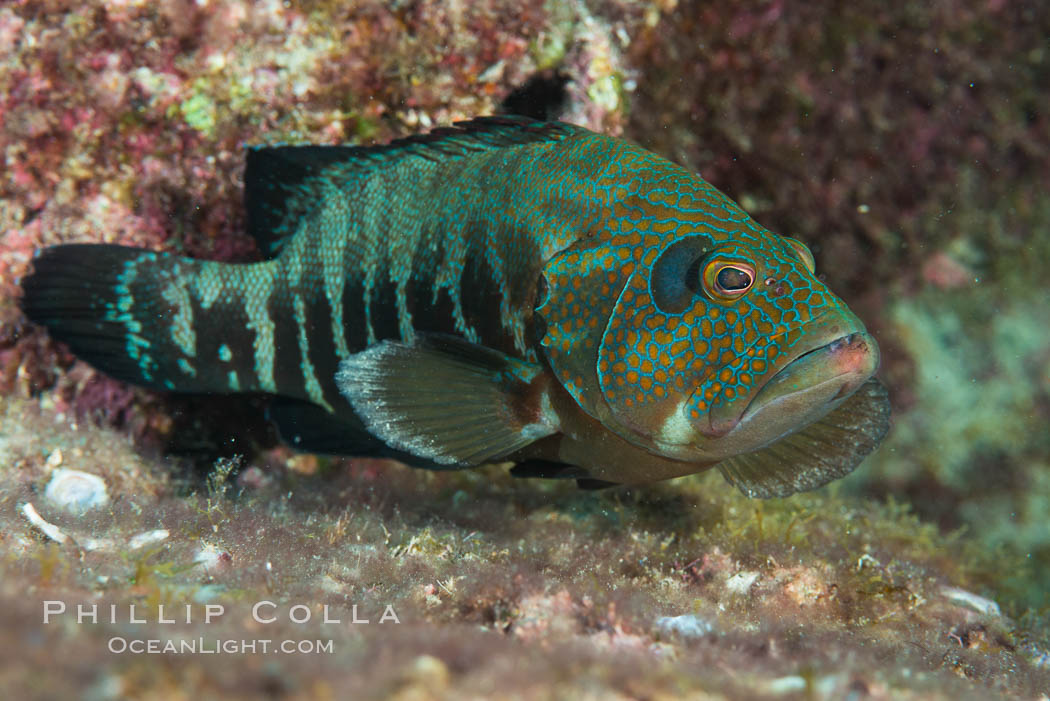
[[199, 111]]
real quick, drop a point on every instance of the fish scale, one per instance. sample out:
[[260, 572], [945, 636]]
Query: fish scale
[[504, 289]]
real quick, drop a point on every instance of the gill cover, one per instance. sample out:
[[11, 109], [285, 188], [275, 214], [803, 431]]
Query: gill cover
[[622, 325], [646, 359], [573, 308]]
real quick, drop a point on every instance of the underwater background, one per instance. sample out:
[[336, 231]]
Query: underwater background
[[908, 144]]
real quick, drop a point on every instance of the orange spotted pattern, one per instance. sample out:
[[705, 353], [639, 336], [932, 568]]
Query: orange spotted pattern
[[632, 332]]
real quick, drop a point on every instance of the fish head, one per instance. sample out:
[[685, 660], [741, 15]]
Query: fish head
[[708, 346]]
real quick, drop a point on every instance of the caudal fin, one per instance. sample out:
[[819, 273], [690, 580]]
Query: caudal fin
[[76, 291], [127, 311]]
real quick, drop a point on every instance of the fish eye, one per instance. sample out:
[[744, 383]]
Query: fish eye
[[803, 253], [732, 279], [724, 280]]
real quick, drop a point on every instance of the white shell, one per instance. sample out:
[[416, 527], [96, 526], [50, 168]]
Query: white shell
[[76, 491]]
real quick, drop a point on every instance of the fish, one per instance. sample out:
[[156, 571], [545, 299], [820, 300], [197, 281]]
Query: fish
[[501, 290]]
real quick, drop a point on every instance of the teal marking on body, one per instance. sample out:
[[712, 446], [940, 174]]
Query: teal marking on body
[[186, 368], [259, 286], [312, 385], [208, 286], [183, 333]]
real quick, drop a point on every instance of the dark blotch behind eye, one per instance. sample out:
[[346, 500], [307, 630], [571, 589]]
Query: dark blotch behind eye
[[675, 278]]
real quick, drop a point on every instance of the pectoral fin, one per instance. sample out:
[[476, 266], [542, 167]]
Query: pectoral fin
[[825, 450], [446, 400]]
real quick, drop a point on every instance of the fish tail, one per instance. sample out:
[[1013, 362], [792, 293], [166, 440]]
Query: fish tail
[[152, 319]]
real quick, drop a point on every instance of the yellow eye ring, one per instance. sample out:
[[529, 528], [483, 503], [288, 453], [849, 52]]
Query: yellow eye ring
[[727, 280], [803, 253]]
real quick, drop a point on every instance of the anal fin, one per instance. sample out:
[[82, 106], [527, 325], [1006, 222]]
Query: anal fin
[[547, 469], [311, 428], [589, 485], [446, 400]]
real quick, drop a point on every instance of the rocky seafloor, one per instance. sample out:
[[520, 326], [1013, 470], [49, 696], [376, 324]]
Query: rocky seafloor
[[908, 144]]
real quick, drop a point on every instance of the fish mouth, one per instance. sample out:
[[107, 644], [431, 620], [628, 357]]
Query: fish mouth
[[808, 387]]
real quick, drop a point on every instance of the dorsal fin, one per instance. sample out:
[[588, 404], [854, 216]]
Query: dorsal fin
[[275, 177]]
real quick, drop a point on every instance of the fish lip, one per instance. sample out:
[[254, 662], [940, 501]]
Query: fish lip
[[843, 343], [856, 338]]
